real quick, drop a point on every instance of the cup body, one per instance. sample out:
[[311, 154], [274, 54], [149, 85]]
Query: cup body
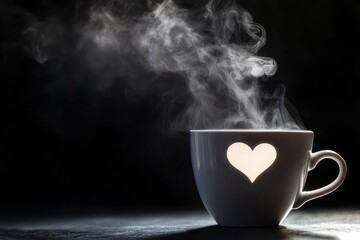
[[228, 194]]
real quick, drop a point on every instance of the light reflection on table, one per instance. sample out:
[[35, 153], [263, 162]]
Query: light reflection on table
[[301, 224]]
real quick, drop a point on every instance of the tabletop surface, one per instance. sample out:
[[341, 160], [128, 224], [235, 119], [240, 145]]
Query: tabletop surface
[[300, 224]]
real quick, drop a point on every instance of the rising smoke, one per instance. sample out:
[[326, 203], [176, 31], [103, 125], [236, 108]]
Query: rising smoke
[[212, 49]]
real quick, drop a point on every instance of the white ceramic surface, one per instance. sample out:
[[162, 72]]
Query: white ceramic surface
[[256, 177]]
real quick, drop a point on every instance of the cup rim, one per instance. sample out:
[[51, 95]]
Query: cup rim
[[253, 130]]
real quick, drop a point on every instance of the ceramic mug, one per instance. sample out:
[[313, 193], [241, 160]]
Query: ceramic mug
[[256, 177]]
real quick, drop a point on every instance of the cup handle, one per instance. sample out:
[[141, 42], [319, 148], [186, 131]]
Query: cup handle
[[315, 158]]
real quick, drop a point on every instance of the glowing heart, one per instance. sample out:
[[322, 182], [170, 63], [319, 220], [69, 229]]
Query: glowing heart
[[251, 162]]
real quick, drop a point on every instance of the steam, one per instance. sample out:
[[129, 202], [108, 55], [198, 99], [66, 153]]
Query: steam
[[213, 50]]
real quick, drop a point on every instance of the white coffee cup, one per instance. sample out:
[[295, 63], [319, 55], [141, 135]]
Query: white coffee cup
[[256, 177]]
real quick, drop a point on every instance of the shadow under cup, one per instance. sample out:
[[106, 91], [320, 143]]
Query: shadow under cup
[[255, 177]]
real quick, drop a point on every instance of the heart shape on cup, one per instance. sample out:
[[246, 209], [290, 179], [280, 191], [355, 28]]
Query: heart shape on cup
[[251, 162]]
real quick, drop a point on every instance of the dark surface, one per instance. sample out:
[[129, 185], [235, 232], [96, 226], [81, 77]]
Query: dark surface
[[315, 224]]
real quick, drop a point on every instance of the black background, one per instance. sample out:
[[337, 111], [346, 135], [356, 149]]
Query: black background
[[63, 143]]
